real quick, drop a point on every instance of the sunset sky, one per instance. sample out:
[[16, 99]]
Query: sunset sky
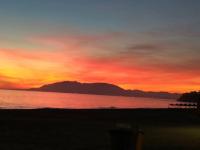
[[151, 45]]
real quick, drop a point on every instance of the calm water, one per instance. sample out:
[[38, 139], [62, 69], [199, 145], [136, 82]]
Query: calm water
[[28, 99]]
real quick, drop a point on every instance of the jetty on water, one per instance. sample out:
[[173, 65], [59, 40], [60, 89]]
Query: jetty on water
[[183, 105]]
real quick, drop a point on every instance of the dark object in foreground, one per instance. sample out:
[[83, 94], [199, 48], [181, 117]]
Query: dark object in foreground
[[123, 138]]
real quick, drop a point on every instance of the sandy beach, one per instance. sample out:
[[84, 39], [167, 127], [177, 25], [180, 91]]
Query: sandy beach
[[50, 129]]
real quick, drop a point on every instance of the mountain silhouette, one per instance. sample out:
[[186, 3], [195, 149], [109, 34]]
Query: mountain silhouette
[[100, 89]]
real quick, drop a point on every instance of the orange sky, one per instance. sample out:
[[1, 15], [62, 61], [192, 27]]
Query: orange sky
[[89, 59], [151, 46]]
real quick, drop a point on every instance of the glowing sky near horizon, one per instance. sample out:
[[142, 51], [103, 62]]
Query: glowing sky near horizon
[[151, 45]]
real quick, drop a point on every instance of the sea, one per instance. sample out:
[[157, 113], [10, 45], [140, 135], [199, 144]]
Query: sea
[[15, 99]]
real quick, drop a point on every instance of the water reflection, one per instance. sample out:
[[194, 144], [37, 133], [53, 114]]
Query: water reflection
[[29, 99]]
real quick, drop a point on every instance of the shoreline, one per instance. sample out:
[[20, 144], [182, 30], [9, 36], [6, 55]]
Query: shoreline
[[161, 115]]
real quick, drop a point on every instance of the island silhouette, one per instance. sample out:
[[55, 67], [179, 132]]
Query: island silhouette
[[101, 89], [193, 96]]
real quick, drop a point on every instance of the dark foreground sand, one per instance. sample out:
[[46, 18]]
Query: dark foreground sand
[[53, 129]]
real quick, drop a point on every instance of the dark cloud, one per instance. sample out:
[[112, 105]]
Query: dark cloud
[[185, 30], [143, 49]]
